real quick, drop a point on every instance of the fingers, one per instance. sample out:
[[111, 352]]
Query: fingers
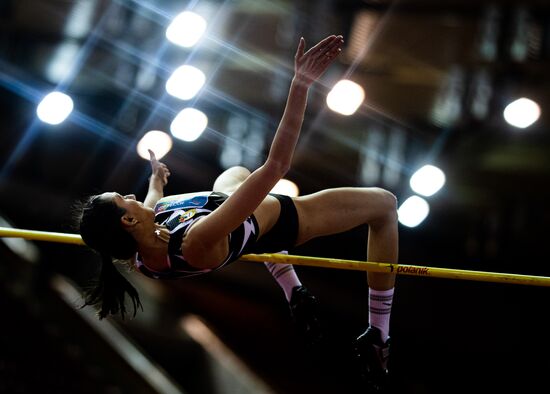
[[159, 169], [332, 49], [322, 44], [301, 46], [327, 49], [165, 173], [311, 65]]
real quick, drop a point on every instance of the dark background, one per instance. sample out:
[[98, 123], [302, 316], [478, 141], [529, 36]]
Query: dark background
[[420, 62]]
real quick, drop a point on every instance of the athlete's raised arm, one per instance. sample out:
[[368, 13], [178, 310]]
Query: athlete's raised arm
[[159, 179], [308, 67]]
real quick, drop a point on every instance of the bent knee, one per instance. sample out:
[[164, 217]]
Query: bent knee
[[390, 200], [238, 172], [230, 179], [386, 203]]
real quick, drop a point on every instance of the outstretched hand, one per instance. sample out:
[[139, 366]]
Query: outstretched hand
[[159, 169], [309, 66]]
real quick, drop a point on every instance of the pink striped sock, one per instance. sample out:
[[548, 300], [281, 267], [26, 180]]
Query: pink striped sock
[[285, 276], [380, 302]]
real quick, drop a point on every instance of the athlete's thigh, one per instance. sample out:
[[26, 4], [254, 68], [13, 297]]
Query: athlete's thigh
[[337, 210]]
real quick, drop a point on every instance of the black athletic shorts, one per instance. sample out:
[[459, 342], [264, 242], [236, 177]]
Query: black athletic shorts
[[284, 233]]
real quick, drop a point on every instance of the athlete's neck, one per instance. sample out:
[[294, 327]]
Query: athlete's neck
[[152, 243]]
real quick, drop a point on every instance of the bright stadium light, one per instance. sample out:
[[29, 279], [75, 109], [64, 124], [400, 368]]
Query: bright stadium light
[[522, 113], [158, 141], [189, 124], [345, 97], [185, 82], [54, 108], [186, 29], [413, 211], [427, 180], [62, 61]]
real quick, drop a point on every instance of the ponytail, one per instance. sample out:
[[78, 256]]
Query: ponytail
[[110, 291], [99, 225]]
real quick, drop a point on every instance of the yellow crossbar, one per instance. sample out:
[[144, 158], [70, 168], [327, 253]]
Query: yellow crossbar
[[402, 269]]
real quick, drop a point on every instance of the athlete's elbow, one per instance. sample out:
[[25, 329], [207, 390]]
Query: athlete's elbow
[[200, 254], [277, 168]]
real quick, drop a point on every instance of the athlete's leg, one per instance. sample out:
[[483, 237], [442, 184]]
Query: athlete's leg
[[338, 210]]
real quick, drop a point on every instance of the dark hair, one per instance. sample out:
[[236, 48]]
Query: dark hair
[[101, 229]]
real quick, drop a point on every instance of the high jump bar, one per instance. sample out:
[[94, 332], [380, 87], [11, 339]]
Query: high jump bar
[[322, 262]]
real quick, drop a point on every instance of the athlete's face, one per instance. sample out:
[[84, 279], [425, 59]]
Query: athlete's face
[[134, 209]]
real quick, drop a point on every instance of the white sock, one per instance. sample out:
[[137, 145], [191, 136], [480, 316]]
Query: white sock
[[380, 302]]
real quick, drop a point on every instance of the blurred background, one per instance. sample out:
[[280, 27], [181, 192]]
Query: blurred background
[[459, 86]]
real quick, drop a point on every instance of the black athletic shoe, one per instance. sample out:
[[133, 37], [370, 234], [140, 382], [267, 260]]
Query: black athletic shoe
[[303, 309], [372, 357]]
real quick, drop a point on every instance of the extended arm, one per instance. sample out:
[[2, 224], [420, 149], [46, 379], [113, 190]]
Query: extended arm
[[214, 228], [308, 67], [159, 179]]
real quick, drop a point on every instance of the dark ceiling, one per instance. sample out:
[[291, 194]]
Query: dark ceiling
[[437, 76]]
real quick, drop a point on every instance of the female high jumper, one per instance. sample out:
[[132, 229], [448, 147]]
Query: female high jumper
[[192, 234]]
